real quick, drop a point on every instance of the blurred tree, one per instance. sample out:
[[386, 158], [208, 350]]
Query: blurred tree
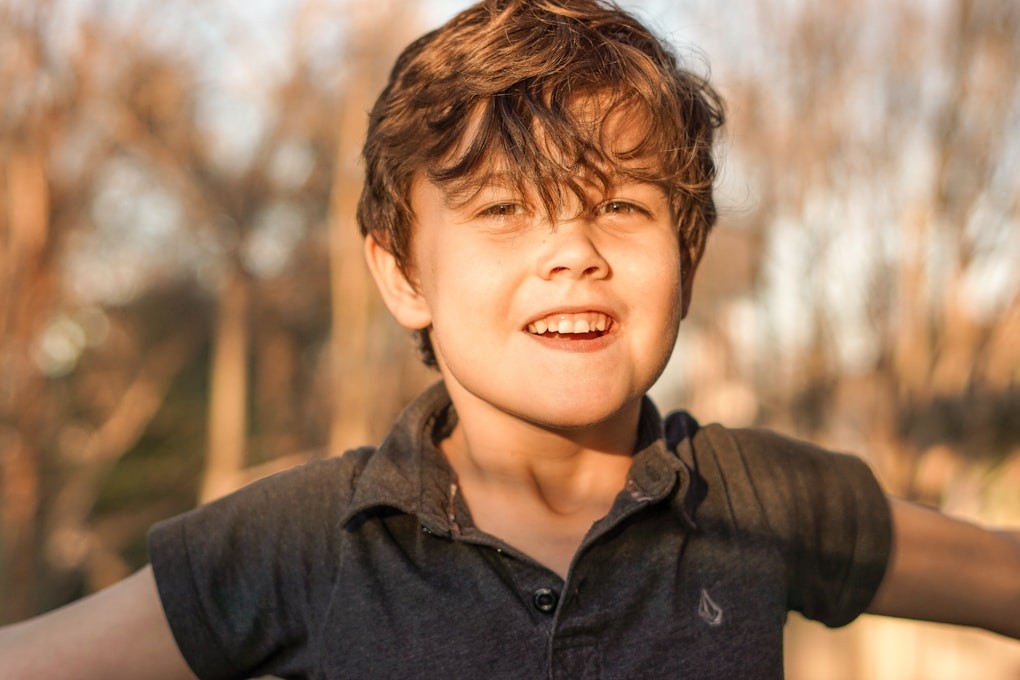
[[163, 206], [878, 145]]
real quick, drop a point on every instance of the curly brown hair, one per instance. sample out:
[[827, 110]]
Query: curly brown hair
[[504, 73]]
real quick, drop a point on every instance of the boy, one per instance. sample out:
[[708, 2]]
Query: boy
[[538, 193]]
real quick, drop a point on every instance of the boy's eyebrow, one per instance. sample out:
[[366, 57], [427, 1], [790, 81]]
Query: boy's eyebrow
[[460, 192]]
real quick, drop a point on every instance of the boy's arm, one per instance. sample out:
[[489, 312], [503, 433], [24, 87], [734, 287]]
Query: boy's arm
[[944, 569], [120, 632]]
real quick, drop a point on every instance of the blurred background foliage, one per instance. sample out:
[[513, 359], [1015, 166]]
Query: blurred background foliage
[[184, 308]]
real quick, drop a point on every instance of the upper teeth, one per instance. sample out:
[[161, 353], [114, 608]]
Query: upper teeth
[[570, 323]]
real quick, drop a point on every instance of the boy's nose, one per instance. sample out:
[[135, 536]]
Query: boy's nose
[[570, 251]]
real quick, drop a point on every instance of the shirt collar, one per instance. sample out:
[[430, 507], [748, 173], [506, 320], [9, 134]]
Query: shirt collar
[[410, 474]]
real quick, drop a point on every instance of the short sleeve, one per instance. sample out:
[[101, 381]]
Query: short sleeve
[[824, 512], [243, 580]]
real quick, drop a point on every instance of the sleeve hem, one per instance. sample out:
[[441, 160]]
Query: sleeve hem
[[871, 554], [181, 601]]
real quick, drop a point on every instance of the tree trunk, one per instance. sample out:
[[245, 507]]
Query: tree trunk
[[228, 389]]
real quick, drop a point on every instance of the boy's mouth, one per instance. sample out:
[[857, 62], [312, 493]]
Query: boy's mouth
[[579, 326]]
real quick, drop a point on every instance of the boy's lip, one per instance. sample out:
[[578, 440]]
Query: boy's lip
[[575, 317]]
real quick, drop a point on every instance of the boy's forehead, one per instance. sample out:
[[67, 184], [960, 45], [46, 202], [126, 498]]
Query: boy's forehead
[[612, 150], [611, 122]]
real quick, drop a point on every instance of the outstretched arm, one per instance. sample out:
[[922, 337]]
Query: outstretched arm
[[947, 570], [120, 632]]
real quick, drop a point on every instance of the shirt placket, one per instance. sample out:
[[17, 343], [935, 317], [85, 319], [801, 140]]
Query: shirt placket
[[575, 652]]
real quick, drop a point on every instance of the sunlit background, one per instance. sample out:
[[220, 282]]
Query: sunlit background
[[183, 305]]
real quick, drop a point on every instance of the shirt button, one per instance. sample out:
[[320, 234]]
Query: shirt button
[[545, 600]]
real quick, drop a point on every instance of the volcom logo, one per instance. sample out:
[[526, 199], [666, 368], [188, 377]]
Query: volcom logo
[[708, 610]]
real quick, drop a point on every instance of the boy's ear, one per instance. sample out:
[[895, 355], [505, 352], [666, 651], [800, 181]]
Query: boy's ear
[[403, 300]]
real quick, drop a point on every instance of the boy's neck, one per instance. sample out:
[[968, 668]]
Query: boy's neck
[[563, 468], [536, 488]]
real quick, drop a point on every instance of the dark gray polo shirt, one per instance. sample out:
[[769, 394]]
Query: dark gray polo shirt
[[368, 565]]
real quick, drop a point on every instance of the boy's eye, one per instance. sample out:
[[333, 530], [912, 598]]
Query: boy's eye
[[619, 208], [502, 210], [503, 213]]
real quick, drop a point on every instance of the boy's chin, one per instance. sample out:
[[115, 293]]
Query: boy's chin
[[561, 404], [591, 411]]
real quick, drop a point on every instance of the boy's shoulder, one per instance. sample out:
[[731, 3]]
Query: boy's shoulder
[[742, 450], [404, 472], [764, 479], [822, 514]]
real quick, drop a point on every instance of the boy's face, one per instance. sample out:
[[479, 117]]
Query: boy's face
[[562, 323]]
